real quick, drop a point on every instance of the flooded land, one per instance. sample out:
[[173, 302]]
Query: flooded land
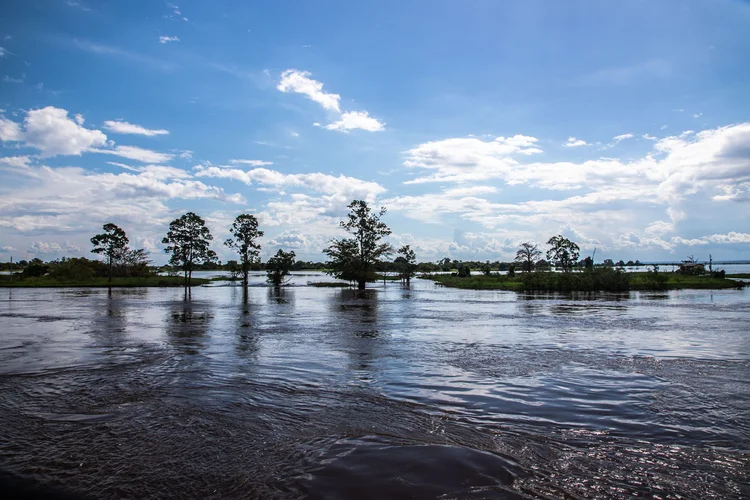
[[332, 393]]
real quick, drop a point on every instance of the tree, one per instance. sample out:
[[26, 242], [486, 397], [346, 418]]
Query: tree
[[406, 263], [354, 258], [279, 266], [244, 233], [608, 263], [135, 262], [188, 241], [564, 253], [527, 254], [113, 243], [234, 269]]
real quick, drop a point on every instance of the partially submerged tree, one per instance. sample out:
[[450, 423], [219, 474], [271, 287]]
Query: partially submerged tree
[[406, 263], [188, 241], [244, 233], [112, 243], [527, 255], [279, 266], [353, 258], [563, 252]]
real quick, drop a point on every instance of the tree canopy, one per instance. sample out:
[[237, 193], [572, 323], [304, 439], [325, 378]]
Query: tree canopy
[[353, 258], [188, 241], [563, 252], [527, 255], [112, 243], [245, 232], [279, 266]]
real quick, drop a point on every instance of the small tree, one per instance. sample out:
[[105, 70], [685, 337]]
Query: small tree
[[279, 266], [113, 243], [188, 241], [234, 269], [527, 254], [564, 253], [353, 258], [244, 233], [406, 263]]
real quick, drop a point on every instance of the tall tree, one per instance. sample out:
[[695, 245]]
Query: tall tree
[[527, 255], [112, 243], [563, 252], [406, 263], [244, 233], [353, 258], [279, 266], [188, 241]]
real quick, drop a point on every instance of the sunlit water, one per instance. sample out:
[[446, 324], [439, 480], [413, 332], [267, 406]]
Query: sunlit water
[[331, 393]]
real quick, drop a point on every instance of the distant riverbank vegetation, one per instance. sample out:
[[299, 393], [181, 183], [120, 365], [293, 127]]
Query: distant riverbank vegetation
[[363, 257]]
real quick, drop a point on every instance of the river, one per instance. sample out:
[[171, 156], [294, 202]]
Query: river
[[425, 391]]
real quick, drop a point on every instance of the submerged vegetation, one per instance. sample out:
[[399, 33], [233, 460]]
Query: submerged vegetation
[[597, 279]]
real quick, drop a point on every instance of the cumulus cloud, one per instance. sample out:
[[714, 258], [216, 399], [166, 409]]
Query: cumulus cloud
[[10, 131], [52, 132], [356, 120], [293, 80], [123, 127], [469, 158], [51, 247], [7, 248], [574, 143]]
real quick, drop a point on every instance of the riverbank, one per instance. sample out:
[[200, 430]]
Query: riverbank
[[148, 281], [595, 281]]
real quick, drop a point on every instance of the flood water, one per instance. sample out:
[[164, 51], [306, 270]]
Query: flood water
[[420, 392]]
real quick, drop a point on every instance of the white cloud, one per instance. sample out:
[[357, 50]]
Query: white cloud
[[619, 138], [650, 137], [53, 133], [356, 120], [574, 143], [3, 52], [252, 163], [348, 188], [47, 248], [469, 159], [137, 154], [122, 127], [167, 39], [10, 131], [293, 80], [7, 248], [10, 79]]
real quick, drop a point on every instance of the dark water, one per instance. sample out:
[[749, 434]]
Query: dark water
[[394, 393]]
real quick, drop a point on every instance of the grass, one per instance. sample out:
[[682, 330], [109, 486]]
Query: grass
[[149, 281], [584, 281], [739, 275], [328, 284]]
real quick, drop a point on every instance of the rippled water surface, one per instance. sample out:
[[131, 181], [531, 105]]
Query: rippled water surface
[[424, 392]]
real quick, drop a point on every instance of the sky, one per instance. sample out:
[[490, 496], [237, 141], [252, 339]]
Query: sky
[[624, 126]]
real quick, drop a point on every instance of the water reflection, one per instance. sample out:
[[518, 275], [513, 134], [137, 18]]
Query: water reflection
[[187, 324]]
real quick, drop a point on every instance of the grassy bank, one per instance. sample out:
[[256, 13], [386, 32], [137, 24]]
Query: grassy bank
[[599, 280], [745, 276], [150, 281]]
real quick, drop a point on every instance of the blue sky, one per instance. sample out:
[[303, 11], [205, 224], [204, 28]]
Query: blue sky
[[478, 124]]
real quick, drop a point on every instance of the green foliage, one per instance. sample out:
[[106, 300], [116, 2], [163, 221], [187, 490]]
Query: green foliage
[[464, 271], [35, 268], [563, 252], [77, 269], [602, 278], [188, 241], [244, 232], [527, 254], [353, 259], [406, 263], [112, 243], [279, 266]]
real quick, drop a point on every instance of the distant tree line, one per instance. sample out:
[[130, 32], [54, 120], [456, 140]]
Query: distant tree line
[[360, 258]]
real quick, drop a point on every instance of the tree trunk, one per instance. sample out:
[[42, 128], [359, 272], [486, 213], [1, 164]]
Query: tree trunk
[[361, 284], [245, 274]]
